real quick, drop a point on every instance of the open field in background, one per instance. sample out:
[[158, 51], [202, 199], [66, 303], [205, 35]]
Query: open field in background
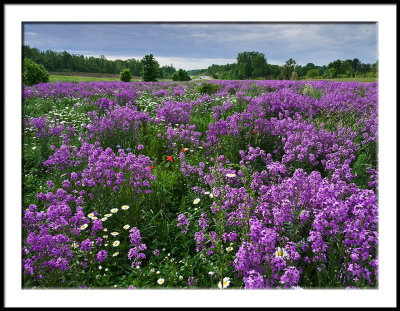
[[84, 77], [89, 77], [351, 79]]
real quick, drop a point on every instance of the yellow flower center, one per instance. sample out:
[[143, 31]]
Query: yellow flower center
[[280, 253]]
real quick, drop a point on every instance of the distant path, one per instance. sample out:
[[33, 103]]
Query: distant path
[[203, 78]]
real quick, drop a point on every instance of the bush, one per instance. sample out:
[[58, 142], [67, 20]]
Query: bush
[[181, 75], [294, 76], [208, 88], [34, 73], [125, 75]]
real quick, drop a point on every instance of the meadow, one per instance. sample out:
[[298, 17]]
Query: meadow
[[207, 185]]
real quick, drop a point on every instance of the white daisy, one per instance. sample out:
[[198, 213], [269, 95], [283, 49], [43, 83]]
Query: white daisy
[[114, 233], [196, 201], [108, 215], [84, 226], [115, 254], [114, 210], [225, 283], [126, 227], [229, 249], [160, 281], [281, 253], [104, 219], [116, 243], [230, 175], [125, 207]]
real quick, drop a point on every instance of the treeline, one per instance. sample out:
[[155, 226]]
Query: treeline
[[65, 62], [253, 65], [248, 65]]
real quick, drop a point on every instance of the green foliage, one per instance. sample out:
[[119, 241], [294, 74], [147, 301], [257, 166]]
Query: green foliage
[[359, 167], [34, 73], [180, 75], [166, 72], [312, 73], [125, 75], [288, 68], [251, 65], [151, 69], [65, 62], [208, 88]]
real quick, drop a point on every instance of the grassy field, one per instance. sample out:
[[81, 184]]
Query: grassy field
[[349, 79], [89, 77], [84, 77], [58, 78]]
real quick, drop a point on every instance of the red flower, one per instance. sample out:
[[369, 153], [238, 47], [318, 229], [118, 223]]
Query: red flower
[[169, 158], [185, 149], [151, 167]]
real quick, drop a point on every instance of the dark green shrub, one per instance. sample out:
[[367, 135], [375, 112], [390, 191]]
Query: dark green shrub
[[208, 88], [151, 68], [34, 73], [125, 75], [181, 75]]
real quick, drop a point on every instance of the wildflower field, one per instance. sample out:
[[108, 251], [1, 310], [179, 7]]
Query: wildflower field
[[207, 185]]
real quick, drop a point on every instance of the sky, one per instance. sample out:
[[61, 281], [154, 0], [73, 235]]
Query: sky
[[199, 45]]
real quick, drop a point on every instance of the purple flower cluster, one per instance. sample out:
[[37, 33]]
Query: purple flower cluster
[[280, 202], [134, 253], [182, 221]]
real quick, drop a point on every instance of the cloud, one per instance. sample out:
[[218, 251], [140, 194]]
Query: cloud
[[319, 43]]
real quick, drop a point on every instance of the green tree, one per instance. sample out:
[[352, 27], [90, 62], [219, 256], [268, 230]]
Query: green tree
[[356, 65], [150, 68], [337, 65], [288, 68], [166, 72], [347, 67], [125, 75], [180, 75], [312, 73], [258, 65], [251, 65], [374, 69], [332, 73], [34, 73]]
